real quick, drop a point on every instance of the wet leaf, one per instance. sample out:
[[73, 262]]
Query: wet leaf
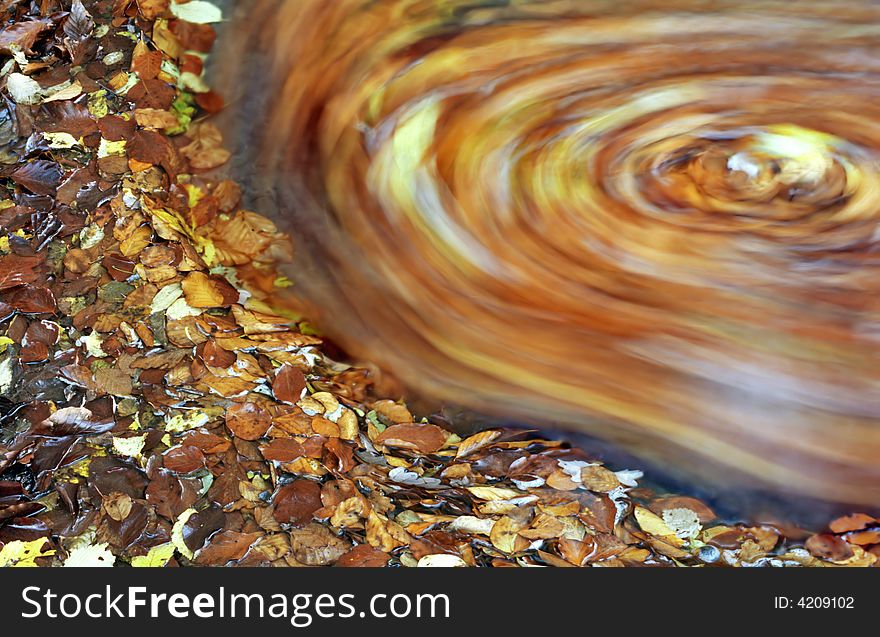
[[40, 176]]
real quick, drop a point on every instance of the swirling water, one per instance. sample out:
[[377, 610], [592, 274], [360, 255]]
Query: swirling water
[[653, 222]]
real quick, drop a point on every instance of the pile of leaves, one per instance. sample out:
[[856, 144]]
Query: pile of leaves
[[158, 410]]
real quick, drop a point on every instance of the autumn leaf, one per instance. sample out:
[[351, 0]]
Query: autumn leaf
[[145, 62], [203, 290], [17, 270], [363, 556], [829, 547], [505, 535], [852, 522], [282, 450], [152, 93], [384, 534], [152, 9], [598, 478], [421, 438], [295, 503], [247, 420], [22, 35], [474, 443], [184, 459], [40, 176], [226, 546], [289, 384]]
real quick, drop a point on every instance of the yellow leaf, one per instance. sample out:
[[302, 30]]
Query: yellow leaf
[[177, 533], [157, 557], [476, 442], [19, 553], [654, 525], [494, 493]]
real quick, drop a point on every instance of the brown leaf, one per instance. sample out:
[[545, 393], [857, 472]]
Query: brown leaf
[[34, 352], [78, 31], [421, 438], [704, 513], [32, 299], [226, 546], [363, 556], [393, 411], [17, 270], [206, 442], [152, 93], [863, 538], [577, 552], [829, 547], [247, 420], [79, 24], [40, 176], [155, 118], [171, 495], [154, 148], [384, 534], [288, 384], [350, 512], [598, 478], [296, 502], [205, 151], [282, 450], [474, 443], [184, 459], [315, 545], [21, 35], [117, 505], [201, 526], [338, 455], [214, 355], [152, 9], [118, 267], [505, 535], [853, 522], [115, 128], [145, 62]]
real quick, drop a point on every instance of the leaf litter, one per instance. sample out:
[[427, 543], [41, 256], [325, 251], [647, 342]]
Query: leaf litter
[[157, 410]]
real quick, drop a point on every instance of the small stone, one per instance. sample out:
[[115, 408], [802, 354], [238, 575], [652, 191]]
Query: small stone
[[709, 554]]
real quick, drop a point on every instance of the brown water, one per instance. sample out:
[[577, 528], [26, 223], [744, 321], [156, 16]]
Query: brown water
[[654, 223]]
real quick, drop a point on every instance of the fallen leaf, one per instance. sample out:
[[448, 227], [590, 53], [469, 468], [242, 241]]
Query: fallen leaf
[[289, 384], [247, 420], [421, 438], [295, 503]]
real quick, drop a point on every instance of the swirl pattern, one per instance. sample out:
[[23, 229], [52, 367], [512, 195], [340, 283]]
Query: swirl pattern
[[657, 222]]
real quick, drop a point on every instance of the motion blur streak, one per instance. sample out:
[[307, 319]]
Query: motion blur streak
[[656, 222]]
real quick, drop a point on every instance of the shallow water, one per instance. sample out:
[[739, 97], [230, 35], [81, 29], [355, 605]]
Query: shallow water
[[656, 224]]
